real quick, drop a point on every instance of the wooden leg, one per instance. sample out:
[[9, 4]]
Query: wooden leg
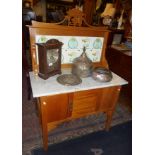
[[29, 88], [109, 119], [45, 137], [44, 124]]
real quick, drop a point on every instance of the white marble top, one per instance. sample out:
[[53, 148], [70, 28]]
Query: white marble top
[[41, 87]]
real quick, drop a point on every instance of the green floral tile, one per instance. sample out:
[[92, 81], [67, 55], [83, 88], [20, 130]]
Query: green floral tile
[[73, 46]]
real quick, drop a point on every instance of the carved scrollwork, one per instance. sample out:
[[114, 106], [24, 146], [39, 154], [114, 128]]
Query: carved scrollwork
[[75, 17]]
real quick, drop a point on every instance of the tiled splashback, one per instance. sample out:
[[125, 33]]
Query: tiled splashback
[[73, 46]]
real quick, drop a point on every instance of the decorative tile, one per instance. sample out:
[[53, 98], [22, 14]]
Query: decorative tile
[[73, 46]]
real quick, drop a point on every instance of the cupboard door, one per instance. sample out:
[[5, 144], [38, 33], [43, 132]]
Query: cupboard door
[[56, 107], [85, 102], [108, 98]]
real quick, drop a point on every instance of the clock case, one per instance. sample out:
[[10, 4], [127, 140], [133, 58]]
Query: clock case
[[46, 70]]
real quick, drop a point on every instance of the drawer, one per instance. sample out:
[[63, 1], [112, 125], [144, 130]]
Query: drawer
[[85, 102], [84, 106], [86, 94]]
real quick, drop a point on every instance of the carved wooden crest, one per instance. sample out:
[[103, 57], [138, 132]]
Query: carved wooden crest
[[74, 17]]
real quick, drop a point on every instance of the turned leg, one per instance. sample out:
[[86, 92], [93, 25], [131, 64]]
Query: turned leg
[[108, 120]]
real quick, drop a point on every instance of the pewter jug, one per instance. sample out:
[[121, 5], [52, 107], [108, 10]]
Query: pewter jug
[[82, 66]]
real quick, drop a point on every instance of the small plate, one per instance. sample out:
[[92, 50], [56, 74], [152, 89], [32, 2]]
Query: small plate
[[69, 79]]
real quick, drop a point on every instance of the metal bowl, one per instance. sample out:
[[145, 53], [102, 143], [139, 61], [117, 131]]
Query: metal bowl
[[102, 74]]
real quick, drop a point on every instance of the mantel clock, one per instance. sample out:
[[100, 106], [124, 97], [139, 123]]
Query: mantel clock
[[49, 56]]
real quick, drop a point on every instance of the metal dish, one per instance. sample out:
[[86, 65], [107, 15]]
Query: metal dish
[[69, 79], [102, 74]]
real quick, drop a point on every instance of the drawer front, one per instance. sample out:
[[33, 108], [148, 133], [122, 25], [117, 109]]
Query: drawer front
[[85, 102], [85, 94]]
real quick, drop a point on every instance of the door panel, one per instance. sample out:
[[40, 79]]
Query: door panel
[[56, 107], [109, 97]]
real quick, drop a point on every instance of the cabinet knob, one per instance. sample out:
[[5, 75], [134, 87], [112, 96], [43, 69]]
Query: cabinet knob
[[119, 89], [44, 103]]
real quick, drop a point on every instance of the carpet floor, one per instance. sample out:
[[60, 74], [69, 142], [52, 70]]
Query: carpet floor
[[118, 141], [31, 131]]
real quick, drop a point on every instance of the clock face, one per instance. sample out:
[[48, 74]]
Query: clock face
[[52, 56]]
